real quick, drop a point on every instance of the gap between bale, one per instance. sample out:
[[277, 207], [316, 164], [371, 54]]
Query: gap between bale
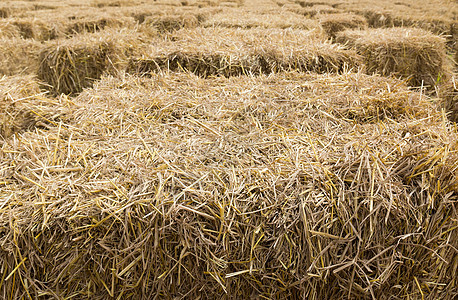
[[19, 56], [234, 187], [68, 66]]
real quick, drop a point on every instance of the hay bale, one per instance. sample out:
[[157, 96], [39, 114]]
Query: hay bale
[[410, 53], [229, 52], [4, 12], [40, 30], [315, 10], [68, 66], [250, 19], [8, 30], [170, 23], [233, 188], [19, 56], [334, 23], [23, 106], [92, 24]]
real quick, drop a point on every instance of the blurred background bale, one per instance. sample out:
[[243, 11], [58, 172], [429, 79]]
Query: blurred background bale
[[334, 23], [413, 54], [19, 56]]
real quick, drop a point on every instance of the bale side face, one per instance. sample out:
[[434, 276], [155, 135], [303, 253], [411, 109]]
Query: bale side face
[[229, 52], [69, 66], [412, 54], [332, 24], [70, 69], [24, 107], [19, 56]]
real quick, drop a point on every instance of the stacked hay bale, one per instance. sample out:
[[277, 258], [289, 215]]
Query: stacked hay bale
[[410, 53], [230, 52], [19, 56], [283, 186], [70, 65], [334, 23]]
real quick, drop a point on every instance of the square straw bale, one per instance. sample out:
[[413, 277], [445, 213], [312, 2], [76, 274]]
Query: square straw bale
[[8, 29], [92, 24], [23, 106], [170, 23], [19, 56], [68, 66], [240, 187], [285, 19], [228, 52], [410, 53], [316, 10], [39, 29], [334, 23], [4, 12]]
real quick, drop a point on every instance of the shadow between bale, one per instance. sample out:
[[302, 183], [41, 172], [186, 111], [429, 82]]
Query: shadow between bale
[[69, 66]]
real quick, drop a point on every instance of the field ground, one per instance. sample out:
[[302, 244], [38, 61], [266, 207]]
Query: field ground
[[243, 149]]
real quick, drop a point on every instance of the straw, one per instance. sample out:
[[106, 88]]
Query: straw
[[284, 186]]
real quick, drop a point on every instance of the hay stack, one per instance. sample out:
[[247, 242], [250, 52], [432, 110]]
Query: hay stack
[[68, 66], [242, 188], [19, 56], [229, 52], [410, 53], [334, 23]]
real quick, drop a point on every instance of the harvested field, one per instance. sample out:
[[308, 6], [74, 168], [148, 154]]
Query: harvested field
[[232, 52], [228, 149]]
